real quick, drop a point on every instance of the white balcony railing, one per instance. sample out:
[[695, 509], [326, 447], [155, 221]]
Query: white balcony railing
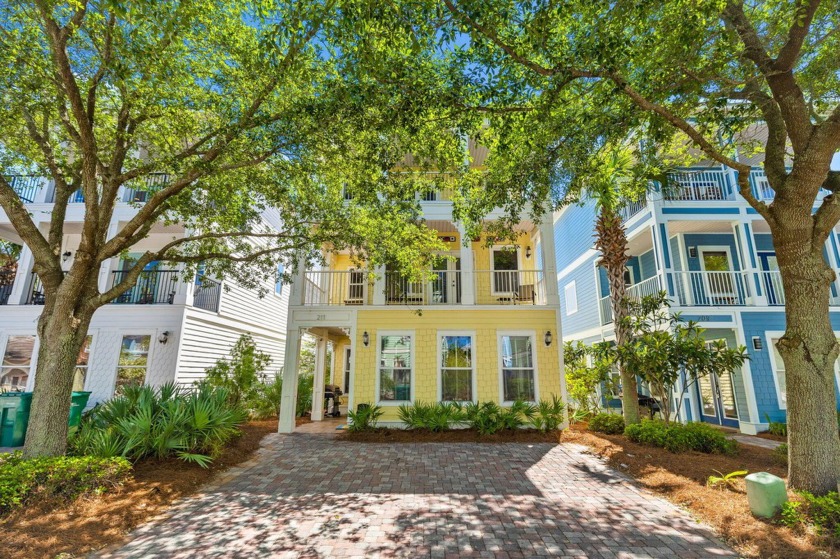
[[710, 288], [440, 287], [649, 286], [699, 186]]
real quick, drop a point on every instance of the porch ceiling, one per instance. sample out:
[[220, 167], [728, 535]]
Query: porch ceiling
[[8, 233], [675, 227], [640, 243]]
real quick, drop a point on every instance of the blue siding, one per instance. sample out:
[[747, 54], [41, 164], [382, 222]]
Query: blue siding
[[647, 263], [573, 234], [586, 316], [710, 239], [764, 242]]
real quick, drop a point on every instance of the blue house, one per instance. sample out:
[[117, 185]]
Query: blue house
[[712, 253]]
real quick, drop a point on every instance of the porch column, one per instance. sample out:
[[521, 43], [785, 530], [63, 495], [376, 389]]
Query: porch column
[[288, 398], [23, 277], [379, 286], [107, 266], [467, 267], [320, 373], [749, 262], [665, 262], [552, 293]]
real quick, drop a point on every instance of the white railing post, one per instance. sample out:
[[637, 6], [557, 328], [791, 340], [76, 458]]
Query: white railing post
[[18, 295]]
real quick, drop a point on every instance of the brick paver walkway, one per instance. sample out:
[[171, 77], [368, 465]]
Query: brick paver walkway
[[307, 495]]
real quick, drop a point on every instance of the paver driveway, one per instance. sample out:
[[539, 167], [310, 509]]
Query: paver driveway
[[310, 496]]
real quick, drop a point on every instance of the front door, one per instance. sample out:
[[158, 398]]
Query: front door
[[719, 280], [445, 286], [717, 399], [505, 271]]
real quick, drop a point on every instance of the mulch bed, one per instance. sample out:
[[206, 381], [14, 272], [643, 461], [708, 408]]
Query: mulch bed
[[770, 437], [48, 529], [453, 436], [681, 478]]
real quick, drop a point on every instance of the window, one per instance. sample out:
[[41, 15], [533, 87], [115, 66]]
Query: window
[[278, 283], [395, 360], [82, 362], [134, 360], [779, 374], [570, 292], [17, 363], [518, 378], [456, 368]]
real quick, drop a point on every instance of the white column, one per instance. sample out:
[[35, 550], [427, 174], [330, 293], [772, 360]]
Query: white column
[[333, 364], [107, 266], [379, 286], [552, 293], [288, 399], [318, 381], [23, 278], [749, 262], [467, 268]]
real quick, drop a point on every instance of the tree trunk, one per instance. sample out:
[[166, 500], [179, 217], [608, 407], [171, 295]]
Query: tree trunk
[[611, 240], [809, 350], [62, 332]]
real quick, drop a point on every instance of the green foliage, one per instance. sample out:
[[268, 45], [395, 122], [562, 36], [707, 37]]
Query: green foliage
[[548, 415], [820, 512], [778, 428], [780, 454], [242, 376], [489, 417], [679, 437], [160, 422], [304, 395], [64, 477], [364, 418], [608, 423], [582, 381], [435, 417], [727, 481], [662, 347]]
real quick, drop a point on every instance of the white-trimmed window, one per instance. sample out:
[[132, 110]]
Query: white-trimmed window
[[82, 362], [778, 374], [570, 293], [457, 367], [134, 361], [518, 370], [17, 363], [395, 376]]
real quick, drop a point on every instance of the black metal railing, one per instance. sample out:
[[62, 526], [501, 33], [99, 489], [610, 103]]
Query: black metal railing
[[140, 189], [7, 282], [207, 295], [153, 287], [25, 186]]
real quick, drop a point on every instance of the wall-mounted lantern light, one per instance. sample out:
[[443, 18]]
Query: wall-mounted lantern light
[[548, 337], [65, 256], [757, 345], [366, 339], [528, 252], [164, 337]]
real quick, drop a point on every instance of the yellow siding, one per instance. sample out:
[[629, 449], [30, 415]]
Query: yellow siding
[[485, 324]]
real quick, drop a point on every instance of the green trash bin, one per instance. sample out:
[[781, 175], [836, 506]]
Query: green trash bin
[[14, 417], [78, 401]]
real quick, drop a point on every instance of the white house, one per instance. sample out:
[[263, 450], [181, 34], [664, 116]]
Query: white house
[[166, 328]]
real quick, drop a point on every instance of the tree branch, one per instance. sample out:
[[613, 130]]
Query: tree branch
[[799, 29]]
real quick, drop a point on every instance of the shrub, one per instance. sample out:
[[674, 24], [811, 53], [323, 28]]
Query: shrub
[[679, 437], [65, 477], [609, 423], [823, 513], [434, 417], [304, 395], [548, 416], [167, 421], [489, 417], [364, 418], [780, 454], [725, 480], [778, 428]]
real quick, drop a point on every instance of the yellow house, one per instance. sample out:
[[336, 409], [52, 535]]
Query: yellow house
[[484, 327]]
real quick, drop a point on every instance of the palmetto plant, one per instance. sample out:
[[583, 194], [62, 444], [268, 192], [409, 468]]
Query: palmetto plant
[[160, 422]]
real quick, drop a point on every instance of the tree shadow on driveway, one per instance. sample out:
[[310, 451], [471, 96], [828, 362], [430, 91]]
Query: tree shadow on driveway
[[310, 496]]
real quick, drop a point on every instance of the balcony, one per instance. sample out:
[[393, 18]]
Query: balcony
[[444, 287], [26, 186], [710, 289], [207, 295], [649, 286], [699, 186], [7, 282]]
